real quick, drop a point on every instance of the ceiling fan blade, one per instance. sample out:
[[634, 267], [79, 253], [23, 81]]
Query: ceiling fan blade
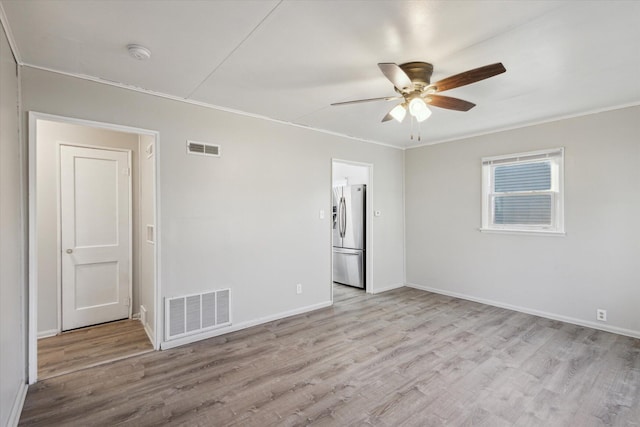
[[449, 102], [357, 101], [468, 77], [387, 117], [397, 76]]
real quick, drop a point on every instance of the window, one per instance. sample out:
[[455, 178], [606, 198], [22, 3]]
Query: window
[[523, 192]]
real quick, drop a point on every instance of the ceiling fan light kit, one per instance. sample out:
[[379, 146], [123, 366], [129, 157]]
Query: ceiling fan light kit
[[412, 82], [418, 109], [399, 112]]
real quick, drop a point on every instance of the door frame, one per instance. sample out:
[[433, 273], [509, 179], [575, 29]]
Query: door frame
[[368, 275], [59, 145], [33, 117]]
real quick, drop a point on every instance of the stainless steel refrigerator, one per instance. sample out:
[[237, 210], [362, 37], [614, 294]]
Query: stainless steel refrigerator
[[349, 207]]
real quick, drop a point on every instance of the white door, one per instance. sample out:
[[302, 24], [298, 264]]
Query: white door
[[95, 206]]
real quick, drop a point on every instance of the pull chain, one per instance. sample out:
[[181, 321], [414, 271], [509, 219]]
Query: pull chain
[[411, 117]]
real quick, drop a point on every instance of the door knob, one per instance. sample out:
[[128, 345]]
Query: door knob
[[69, 251]]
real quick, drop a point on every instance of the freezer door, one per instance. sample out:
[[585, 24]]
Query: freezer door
[[348, 267], [354, 208]]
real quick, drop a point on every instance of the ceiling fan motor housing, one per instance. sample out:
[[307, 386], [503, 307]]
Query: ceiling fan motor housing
[[419, 73]]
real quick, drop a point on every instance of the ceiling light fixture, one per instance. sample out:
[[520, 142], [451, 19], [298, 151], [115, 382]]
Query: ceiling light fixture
[[418, 109], [139, 52], [399, 112]]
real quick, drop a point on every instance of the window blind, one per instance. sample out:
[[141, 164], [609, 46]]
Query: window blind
[[512, 202], [528, 209], [522, 177]]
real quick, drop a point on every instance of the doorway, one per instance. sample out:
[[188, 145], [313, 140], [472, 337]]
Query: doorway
[[93, 246], [352, 194]]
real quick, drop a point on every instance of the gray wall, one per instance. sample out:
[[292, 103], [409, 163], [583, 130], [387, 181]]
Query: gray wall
[[50, 134], [12, 239], [596, 265], [249, 219]]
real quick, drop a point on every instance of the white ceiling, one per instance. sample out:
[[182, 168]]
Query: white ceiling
[[288, 60]]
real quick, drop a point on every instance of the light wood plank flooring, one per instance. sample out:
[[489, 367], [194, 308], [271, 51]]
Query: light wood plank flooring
[[87, 347], [401, 358]]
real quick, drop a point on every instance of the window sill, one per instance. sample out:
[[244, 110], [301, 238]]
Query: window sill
[[523, 232]]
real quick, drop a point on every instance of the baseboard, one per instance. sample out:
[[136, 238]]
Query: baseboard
[[539, 313], [165, 345], [16, 409], [49, 333], [150, 334], [388, 288], [135, 316]]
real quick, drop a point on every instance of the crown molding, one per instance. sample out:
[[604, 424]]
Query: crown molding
[[7, 30]]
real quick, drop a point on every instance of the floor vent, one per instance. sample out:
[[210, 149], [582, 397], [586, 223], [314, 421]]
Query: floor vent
[[203, 149], [192, 314]]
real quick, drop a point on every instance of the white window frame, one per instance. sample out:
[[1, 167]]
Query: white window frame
[[556, 158]]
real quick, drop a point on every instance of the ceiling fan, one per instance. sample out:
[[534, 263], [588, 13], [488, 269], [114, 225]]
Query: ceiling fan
[[412, 81]]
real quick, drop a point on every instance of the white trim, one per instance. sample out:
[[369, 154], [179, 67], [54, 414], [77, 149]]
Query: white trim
[[388, 288], [244, 325], [33, 117], [157, 289], [16, 408], [527, 156], [7, 30], [525, 232], [49, 333], [404, 217], [207, 105], [534, 312], [33, 255], [150, 334]]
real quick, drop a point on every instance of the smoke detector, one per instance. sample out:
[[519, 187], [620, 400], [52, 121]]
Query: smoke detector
[[139, 52]]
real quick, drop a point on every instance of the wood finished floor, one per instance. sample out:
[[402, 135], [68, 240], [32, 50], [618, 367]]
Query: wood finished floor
[[401, 358], [87, 347]]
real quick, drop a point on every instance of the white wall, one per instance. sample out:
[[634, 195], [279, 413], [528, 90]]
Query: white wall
[[249, 219], [146, 252], [50, 134], [12, 244], [596, 265]]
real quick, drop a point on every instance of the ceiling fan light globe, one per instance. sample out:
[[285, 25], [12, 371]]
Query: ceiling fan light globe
[[423, 114], [418, 109], [398, 113], [417, 106]]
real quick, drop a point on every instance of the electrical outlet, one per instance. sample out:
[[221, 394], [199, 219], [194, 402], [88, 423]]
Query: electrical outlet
[[299, 288], [601, 315]]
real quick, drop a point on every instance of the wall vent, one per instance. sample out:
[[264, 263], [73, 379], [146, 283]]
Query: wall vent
[[192, 314], [203, 149]]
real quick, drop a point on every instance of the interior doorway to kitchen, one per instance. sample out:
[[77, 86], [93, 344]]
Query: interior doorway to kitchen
[[351, 191]]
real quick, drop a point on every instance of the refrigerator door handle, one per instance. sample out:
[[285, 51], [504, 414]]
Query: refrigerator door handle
[[343, 217]]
